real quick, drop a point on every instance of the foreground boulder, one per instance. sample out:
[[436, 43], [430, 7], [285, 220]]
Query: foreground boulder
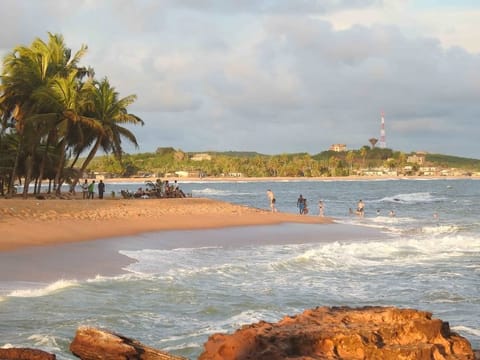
[[96, 344], [343, 333], [25, 354]]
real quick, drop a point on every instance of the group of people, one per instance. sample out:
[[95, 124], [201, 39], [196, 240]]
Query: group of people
[[301, 204], [303, 208], [88, 190], [157, 189]]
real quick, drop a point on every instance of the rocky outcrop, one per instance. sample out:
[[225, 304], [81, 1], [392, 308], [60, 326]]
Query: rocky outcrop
[[343, 333], [94, 344], [369, 333], [25, 354]]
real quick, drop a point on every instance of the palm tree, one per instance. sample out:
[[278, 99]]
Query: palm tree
[[28, 92], [71, 99], [363, 154], [350, 157], [333, 162], [56, 113], [110, 111]]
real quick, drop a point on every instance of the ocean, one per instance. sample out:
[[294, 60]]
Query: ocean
[[172, 295]]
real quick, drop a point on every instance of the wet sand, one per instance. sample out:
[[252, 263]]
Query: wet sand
[[31, 222], [87, 259], [47, 240]]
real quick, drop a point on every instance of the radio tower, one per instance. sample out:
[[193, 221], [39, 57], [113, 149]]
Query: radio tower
[[382, 144]]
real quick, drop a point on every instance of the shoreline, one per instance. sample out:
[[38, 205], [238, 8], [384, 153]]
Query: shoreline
[[86, 260], [284, 178], [32, 223]]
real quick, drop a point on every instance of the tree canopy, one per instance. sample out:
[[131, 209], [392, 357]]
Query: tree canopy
[[52, 111]]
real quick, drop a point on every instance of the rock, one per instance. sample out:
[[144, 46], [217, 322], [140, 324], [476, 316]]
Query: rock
[[338, 333], [25, 354], [96, 344]]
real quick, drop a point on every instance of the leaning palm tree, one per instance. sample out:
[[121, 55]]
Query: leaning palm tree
[[111, 113], [70, 99]]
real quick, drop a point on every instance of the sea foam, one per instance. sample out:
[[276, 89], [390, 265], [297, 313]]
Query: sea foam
[[466, 329], [216, 192], [44, 291], [411, 198], [42, 340]]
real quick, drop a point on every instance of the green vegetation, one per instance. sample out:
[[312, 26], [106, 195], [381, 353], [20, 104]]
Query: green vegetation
[[448, 161], [52, 111], [167, 161]]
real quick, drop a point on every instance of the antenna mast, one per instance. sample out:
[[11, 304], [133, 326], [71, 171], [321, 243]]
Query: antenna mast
[[383, 143]]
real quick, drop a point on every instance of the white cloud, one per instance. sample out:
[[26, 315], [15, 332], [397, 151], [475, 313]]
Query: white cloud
[[277, 76]]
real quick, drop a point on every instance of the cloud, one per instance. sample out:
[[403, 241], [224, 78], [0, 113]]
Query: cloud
[[277, 76]]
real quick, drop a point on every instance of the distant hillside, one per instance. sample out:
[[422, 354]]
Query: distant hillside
[[448, 161], [239, 154], [167, 160]]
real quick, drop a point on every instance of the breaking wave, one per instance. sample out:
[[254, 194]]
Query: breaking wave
[[215, 192], [411, 198], [49, 289]]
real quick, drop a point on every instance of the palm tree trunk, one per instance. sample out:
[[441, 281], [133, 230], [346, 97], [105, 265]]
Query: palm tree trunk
[[44, 162], [77, 177], [61, 163], [87, 161], [15, 167], [75, 160], [28, 175]]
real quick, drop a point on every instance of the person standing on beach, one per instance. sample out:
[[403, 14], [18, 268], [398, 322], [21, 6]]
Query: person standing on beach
[[271, 199], [101, 189], [301, 204], [321, 208], [305, 207], [91, 190], [360, 208], [85, 189]]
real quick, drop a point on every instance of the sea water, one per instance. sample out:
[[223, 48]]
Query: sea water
[[174, 295]]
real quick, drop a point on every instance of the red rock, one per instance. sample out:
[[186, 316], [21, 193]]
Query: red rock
[[382, 333], [25, 354], [96, 344]]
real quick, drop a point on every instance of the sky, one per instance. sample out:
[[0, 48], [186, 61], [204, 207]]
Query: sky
[[277, 76]]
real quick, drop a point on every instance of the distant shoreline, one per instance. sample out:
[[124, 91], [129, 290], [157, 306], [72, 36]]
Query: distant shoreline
[[284, 178]]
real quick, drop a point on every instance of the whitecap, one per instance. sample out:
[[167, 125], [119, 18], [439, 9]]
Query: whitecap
[[116, 278], [388, 226], [43, 291], [440, 229], [466, 329], [394, 252], [41, 340], [411, 198], [183, 347], [212, 192], [174, 262]]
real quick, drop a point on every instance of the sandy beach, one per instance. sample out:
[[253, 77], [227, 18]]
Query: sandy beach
[[32, 222]]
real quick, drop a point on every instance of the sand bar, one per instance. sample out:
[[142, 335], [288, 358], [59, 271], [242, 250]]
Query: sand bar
[[32, 222]]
